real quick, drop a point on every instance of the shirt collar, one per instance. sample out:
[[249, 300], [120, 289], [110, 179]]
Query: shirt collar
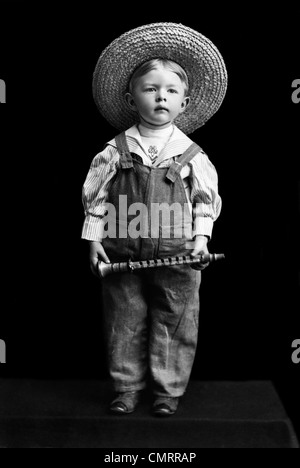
[[176, 145]]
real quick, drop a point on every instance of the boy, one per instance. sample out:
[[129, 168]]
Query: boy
[[157, 82]]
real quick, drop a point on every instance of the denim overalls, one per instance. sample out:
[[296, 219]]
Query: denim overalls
[[150, 316]]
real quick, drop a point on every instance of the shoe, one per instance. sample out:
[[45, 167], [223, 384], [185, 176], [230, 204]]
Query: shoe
[[125, 403], [165, 406]]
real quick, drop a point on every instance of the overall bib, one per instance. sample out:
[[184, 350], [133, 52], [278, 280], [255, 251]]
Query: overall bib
[[150, 316]]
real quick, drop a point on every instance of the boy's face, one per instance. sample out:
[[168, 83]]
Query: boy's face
[[158, 97]]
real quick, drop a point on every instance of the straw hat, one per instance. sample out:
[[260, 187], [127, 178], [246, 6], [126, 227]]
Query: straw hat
[[196, 54]]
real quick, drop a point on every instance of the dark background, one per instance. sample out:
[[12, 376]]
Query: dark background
[[50, 131]]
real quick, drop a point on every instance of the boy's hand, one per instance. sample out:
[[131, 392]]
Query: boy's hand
[[200, 248], [97, 253]]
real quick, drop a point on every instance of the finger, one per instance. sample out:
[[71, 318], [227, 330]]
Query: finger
[[199, 250], [94, 260], [199, 266], [195, 252], [94, 268], [103, 256]]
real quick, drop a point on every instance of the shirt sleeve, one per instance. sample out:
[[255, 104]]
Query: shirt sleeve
[[205, 199], [95, 192]]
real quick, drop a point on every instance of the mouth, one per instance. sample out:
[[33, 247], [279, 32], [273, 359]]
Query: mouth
[[161, 108]]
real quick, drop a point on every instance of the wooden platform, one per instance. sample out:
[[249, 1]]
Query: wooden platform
[[68, 413]]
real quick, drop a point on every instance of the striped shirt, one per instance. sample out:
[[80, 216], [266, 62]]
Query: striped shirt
[[199, 177]]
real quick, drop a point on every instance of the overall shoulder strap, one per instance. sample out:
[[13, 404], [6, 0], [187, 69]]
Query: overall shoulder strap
[[122, 147], [183, 160]]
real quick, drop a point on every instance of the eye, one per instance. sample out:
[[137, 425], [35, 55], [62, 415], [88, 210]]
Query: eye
[[150, 90], [173, 91]]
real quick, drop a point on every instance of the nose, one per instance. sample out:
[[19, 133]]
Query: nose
[[160, 96]]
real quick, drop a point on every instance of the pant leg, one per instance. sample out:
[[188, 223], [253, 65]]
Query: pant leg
[[174, 314], [125, 321]]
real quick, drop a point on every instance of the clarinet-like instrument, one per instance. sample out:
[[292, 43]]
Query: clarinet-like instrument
[[105, 269]]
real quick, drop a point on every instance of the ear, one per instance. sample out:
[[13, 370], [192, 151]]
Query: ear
[[184, 104], [130, 102]]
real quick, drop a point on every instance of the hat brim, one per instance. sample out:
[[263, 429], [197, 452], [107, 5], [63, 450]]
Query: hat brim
[[196, 54]]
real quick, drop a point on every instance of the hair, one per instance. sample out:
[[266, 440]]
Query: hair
[[152, 64]]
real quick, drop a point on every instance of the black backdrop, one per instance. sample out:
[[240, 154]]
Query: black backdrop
[[51, 130]]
